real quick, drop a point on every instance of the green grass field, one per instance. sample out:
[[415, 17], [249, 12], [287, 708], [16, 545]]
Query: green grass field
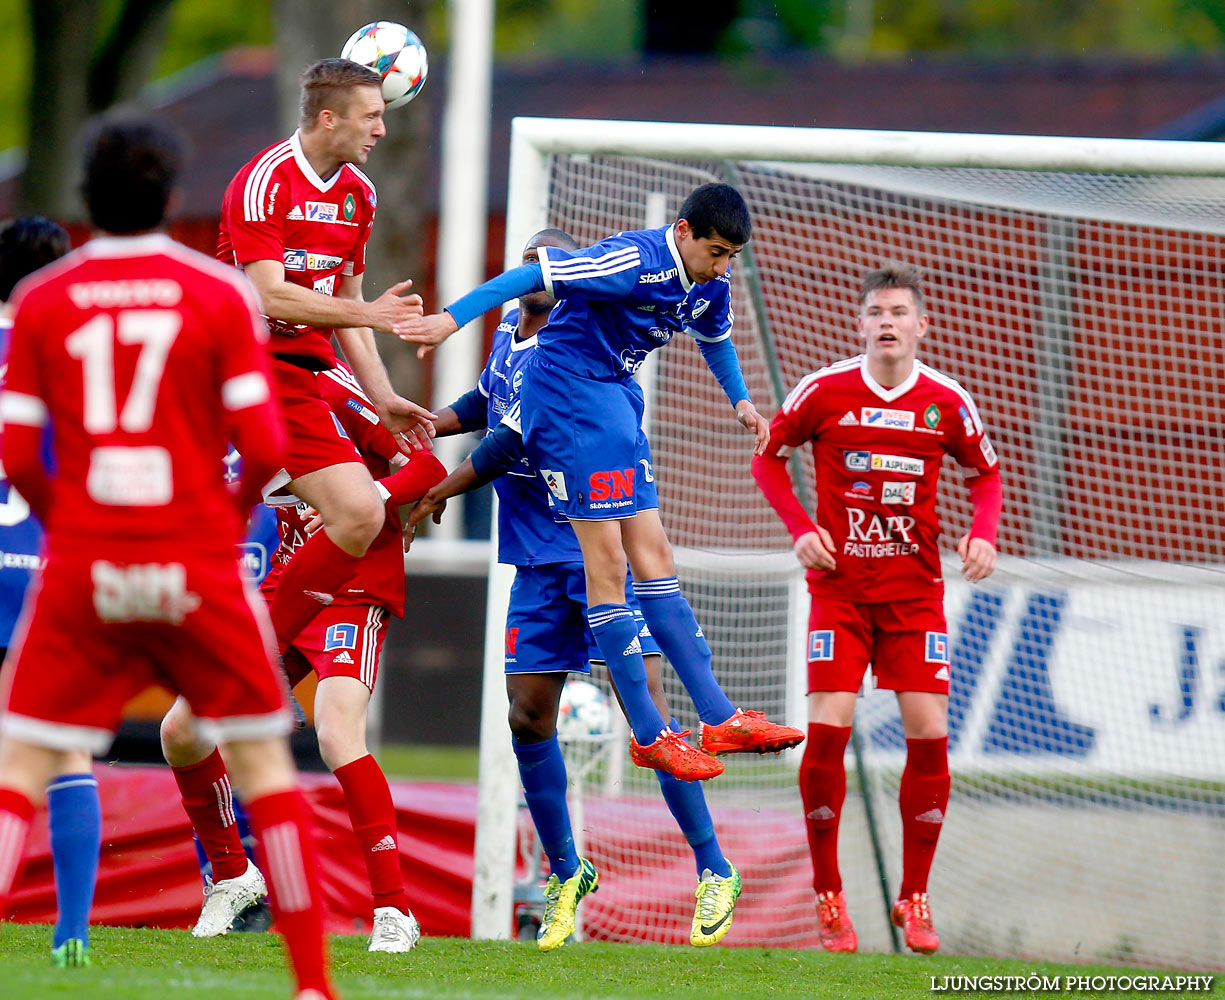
[[171, 965]]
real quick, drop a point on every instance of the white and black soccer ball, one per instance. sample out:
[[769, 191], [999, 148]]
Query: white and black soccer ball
[[395, 53], [584, 712]]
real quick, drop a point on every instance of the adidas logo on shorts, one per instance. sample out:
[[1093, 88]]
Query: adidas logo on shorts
[[942, 674], [342, 657], [632, 648]]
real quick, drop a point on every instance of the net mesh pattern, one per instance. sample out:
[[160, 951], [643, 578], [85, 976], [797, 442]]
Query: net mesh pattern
[[1084, 315]]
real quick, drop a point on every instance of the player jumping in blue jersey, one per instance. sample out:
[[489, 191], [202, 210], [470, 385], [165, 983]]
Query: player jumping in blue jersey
[[582, 431], [74, 812], [547, 634]]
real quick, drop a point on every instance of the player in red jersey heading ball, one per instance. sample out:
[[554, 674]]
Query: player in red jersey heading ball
[[880, 425], [143, 358], [296, 218]]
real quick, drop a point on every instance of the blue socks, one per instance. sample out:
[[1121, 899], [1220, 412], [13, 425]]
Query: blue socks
[[687, 802], [542, 770], [672, 624], [75, 818], [616, 633]]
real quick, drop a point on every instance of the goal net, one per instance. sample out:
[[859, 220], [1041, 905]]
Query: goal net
[[1074, 290]]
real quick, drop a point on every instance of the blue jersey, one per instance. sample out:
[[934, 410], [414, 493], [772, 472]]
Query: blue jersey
[[623, 298], [21, 534], [528, 535]]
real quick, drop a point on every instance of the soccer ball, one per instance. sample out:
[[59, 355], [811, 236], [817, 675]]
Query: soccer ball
[[395, 53], [584, 711]]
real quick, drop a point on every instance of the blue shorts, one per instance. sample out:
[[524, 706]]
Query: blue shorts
[[586, 438], [546, 624]]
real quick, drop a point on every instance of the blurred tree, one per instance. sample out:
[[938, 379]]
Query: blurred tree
[[87, 56], [310, 30], [119, 55]]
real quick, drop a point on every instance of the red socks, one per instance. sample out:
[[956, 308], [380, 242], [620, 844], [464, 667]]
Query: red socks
[[823, 790], [315, 573], [209, 804], [374, 822], [15, 813], [288, 862], [923, 798]]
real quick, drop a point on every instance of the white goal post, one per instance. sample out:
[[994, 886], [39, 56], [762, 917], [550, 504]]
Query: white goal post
[[1075, 289]]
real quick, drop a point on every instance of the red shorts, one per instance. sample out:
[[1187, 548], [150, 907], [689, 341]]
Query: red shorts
[[906, 642], [316, 439], [343, 641], [102, 631]]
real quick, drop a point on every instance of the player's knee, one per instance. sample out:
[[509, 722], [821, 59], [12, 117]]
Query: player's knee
[[531, 721], [357, 523], [181, 743]]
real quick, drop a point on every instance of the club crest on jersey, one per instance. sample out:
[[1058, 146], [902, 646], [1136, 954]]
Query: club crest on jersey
[[857, 461], [931, 416], [556, 482], [699, 308], [897, 493], [350, 205], [895, 420], [821, 645], [937, 647], [516, 380], [341, 636], [320, 211], [295, 260]]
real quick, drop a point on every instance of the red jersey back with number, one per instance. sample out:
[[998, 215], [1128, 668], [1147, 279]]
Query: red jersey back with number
[[133, 349], [380, 574], [878, 454], [278, 208]]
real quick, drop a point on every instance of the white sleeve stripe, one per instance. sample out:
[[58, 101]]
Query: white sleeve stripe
[[801, 389], [511, 419], [611, 257], [241, 391], [586, 273], [707, 340], [257, 181], [546, 269], [604, 265], [484, 391], [18, 408]]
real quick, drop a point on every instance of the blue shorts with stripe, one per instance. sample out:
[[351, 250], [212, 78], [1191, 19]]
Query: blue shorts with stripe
[[585, 438], [546, 624]]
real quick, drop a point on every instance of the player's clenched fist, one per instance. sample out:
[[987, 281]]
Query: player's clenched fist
[[815, 550], [392, 311]]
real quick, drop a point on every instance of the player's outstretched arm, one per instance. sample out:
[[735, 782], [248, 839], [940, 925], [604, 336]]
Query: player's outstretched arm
[[432, 330], [758, 425], [813, 547], [283, 300]]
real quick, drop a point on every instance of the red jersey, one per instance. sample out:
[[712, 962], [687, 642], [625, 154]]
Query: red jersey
[[138, 352], [380, 574], [278, 208], [878, 454]]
